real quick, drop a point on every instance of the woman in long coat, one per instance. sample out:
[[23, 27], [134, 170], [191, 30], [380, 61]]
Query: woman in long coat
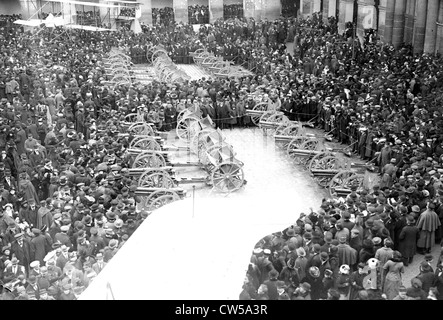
[[427, 223], [394, 268], [227, 115], [28, 189], [408, 240]]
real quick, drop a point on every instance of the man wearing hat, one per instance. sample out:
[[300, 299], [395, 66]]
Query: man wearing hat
[[13, 271], [303, 292], [35, 268], [21, 249], [39, 246], [401, 294], [346, 254], [99, 264], [426, 276], [110, 250], [328, 240], [63, 237], [63, 258], [11, 231], [32, 289], [54, 272], [357, 278], [9, 181], [408, 240], [44, 215], [54, 228]]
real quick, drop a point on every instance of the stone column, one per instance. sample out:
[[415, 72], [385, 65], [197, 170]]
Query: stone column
[[367, 16], [381, 20], [389, 23], [272, 9], [215, 10], [332, 8], [439, 43], [346, 14], [420, 25], [316, 5], [431, 26], [409, 21], [325, 12], [398, 29], [249, 8], [146, 12], [180, 11]]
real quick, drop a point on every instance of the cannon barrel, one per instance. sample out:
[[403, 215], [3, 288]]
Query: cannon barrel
[[144, 191], [138, 151], [257, 113], [342, 192], [304, 153], [283, 139], [269, 125], [135, 172], [324, 173]]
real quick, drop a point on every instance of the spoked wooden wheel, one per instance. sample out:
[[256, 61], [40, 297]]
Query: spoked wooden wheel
[[338, 182], [147, 143], [141, 128], [153, 178], [294, 129], [181, 114], [149, 51], [294, 146], [135, 140], [324, 161], [162, 201], [309, 145], [355, 180], [199, 142], [217, 153], [227, 177], [131, 117], [158, 53], [149, 159], [263, 106], [280, 129], [270, 118], [187, 128], [158, 199]]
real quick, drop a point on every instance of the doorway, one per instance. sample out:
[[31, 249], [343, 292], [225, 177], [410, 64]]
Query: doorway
[[162, 12], [233, 9], [198, 11]]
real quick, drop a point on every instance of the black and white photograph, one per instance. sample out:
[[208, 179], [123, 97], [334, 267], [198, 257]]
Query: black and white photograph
[[233, 151]]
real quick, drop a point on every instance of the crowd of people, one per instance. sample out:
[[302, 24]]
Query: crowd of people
[[383, 103], [163, 16], [198, 14], [128, 12], [69, 203], [232, 11], [88, 18]]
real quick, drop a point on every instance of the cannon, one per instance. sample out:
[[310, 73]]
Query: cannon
[[224, 172], [215, 156], [117, 66], [216, 66]]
